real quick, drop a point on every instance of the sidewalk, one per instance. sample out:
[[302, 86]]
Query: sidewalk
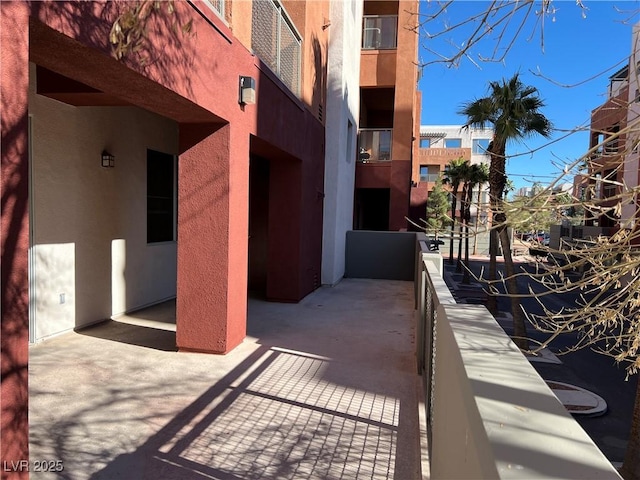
[[326, 388]]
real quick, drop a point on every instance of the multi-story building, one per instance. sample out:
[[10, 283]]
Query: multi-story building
[[159, 150], [631, 208], [389, 115], [607, 147], [439, 144]]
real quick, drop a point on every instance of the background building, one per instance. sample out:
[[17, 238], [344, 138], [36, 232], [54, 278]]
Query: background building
[[439, 144]]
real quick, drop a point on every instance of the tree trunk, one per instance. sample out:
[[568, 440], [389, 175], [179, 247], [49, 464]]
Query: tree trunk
[[454, 203], [496, 187], [466, 277], [460, 232], [461, 226], [631, 467], [475, 237], [519, 325], [492, 274]]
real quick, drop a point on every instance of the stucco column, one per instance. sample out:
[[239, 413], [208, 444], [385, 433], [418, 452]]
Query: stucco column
[[14, 68], [403, 117], [212, 242]]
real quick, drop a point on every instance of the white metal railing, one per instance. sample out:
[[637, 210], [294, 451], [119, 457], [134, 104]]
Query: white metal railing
[[489, 413], [374, 145], [277, 42], [379, 32]]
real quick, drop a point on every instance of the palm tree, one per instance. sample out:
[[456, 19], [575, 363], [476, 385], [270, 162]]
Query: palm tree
[[513, 109], [477, 175], [465, 171], [453, 172]]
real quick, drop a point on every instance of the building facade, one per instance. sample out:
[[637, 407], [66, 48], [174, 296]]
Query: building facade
[[607, 151], [157, 150], [439, 144], [631, 172], [389, 115]]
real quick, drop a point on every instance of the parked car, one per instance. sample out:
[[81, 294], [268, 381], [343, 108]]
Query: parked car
[[539, 237]]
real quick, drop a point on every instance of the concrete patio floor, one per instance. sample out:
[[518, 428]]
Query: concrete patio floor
[[323, 389]]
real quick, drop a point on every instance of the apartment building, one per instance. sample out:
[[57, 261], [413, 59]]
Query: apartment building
[[389, 115], [439, 144], [631, 174], [607, 149], [159, 150]]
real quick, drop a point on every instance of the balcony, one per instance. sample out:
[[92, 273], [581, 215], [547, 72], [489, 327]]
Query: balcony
[[448, 153], [429, 177], [374, 145], [276, 41]]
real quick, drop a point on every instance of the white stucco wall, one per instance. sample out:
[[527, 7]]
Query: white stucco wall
[[90, 258], [343, 103]]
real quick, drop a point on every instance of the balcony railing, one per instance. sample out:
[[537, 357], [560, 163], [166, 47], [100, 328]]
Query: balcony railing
[[445, 152], [429, 177], [374, 145], [379, 32], [276, 41]]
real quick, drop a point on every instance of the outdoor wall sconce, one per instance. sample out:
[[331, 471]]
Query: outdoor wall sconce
[[247, 91], [108, 160]]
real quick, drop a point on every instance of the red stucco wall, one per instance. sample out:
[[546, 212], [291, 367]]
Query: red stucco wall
[[194, 81], [15, 237]]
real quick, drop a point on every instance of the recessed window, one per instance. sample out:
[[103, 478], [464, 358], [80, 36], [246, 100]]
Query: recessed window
[[481, 146], [161, 197], [425, 142], [452, 143]]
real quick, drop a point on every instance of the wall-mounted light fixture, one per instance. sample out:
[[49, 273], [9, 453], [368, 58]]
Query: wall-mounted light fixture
[[247, 95], [108, 160]]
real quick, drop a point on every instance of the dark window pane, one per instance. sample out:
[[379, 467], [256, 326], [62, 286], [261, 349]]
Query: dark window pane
[[161, 181]]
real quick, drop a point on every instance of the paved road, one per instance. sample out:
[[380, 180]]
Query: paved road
[[585, 368]]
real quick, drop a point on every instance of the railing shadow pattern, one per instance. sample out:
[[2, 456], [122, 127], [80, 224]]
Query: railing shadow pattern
[[269, 426]]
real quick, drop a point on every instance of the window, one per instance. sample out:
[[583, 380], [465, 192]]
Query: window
[[429, 173], [425, 142], [161, 197], [276, 41], [611, 146], [379, 32], [609, 187], [374, 145], [452, 143], [480, 146], [424, 173], [217, 6]]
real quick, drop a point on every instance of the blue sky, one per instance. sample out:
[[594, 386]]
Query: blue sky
[[575, 50]]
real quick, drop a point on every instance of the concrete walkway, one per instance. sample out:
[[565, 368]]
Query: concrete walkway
[[326, 388]]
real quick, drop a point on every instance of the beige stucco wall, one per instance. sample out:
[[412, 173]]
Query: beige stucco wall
[[90, 259]]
